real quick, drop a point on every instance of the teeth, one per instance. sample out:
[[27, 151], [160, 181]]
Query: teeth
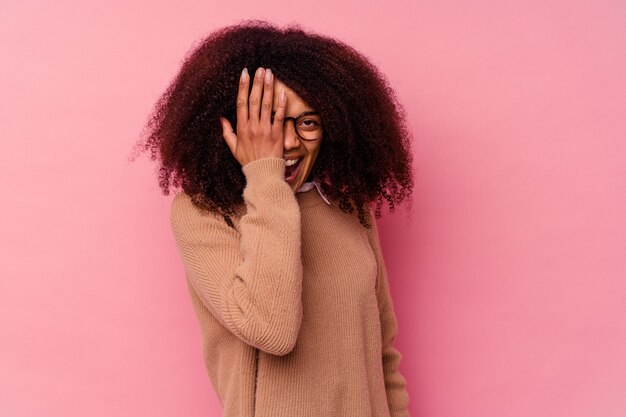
[[291, 162]]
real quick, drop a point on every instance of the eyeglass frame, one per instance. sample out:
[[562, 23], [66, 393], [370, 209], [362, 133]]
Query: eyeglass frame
[[306, 113]]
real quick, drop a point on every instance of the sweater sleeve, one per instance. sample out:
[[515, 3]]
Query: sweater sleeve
[[251, 280], [395, 383]]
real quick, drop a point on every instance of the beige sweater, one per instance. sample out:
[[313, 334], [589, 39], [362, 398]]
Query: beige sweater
[[294, 305]]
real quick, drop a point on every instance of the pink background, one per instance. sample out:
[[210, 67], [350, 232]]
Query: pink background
[[508, 282]]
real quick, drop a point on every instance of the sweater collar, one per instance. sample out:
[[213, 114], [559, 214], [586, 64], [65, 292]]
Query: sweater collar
[[308, 185]]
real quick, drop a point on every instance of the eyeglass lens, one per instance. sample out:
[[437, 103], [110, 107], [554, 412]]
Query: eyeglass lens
[[308, 127]]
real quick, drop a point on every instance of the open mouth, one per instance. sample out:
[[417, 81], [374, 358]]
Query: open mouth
[[291, 172]]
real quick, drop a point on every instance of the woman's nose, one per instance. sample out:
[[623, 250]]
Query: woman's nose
[[290, 136]]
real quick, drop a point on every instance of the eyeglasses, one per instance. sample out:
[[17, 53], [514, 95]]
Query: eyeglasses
[[308, 125]]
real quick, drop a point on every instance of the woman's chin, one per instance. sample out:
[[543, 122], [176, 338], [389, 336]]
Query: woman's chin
[[294, 184]]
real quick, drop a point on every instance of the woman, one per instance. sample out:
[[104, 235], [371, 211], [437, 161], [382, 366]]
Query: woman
[[288, 282]]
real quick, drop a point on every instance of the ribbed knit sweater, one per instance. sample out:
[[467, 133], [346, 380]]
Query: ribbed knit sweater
[[294, 304]]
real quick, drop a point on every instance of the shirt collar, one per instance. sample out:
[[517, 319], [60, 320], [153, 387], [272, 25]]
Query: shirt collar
[[308, 185]]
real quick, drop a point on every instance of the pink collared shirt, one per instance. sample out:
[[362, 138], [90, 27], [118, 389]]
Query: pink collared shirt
[[308, 185]]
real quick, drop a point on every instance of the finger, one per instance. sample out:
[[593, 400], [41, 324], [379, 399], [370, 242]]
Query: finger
[[268, 96], [255, 95], [229, 134], [242, 97], [279, 117]]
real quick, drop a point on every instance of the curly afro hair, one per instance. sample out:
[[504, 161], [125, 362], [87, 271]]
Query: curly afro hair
[[366, 152]]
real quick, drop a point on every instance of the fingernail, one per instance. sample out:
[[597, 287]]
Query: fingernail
[[258, 72], [268, 75], [244, 74], [283, 96]]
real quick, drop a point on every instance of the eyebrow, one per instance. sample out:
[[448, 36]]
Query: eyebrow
[[306, 113]]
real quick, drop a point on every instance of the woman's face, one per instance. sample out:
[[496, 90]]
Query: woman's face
[[304, 150]]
